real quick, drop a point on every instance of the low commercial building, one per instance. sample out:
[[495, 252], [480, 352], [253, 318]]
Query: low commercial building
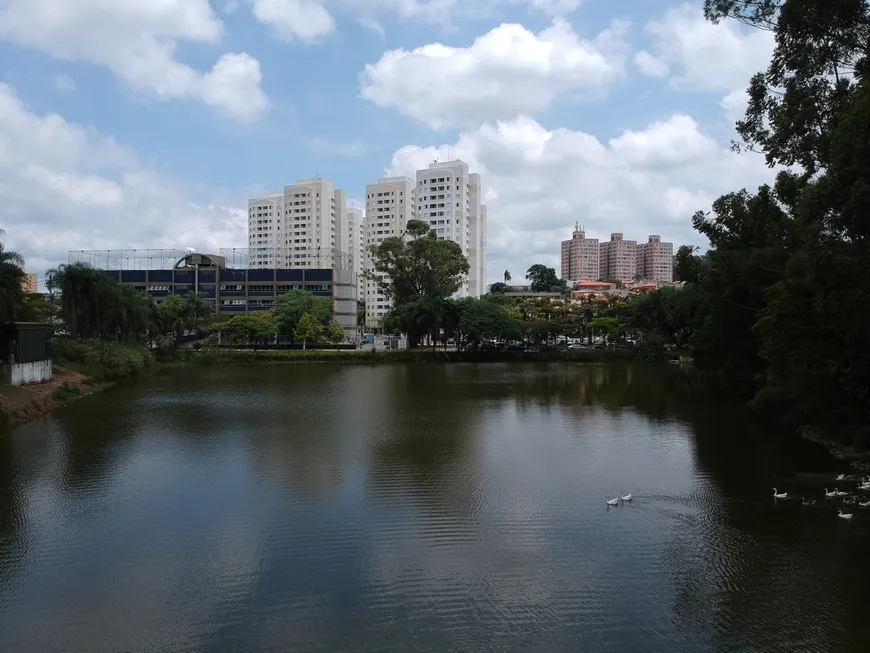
[[233, 288]]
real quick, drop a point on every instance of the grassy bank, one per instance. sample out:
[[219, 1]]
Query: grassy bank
[[213, 356]]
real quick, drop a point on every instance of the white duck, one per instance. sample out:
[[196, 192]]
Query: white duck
[[841, 477], [782, 495], [830, 494], [613, 502], [864, 486], [840, 493], [844, 515], [864, 504], [625, 497]]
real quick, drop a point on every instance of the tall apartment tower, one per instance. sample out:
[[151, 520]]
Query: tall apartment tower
[[356, 245], [449, 200], [303, 226], [390, 203], [655, 260], [617, 259], [580, 258]]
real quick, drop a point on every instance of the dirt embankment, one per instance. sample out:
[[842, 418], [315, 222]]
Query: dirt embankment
[[27, 403], [858, 458]]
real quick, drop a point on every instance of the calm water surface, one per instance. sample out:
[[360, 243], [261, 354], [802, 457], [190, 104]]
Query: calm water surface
[[420, 508]]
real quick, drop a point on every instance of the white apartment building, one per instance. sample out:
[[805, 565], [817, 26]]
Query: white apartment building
[[389, 205], [302, 226], [449, 200], [356, 245]]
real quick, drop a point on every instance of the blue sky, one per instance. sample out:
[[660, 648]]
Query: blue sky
[[140, 123]]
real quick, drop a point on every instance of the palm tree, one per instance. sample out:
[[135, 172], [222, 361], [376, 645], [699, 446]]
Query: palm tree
[[507, 276], [198, 309], [11, 279]]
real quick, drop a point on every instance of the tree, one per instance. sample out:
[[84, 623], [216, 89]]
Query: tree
[[507, 276], [254, 328], [309, 329], [421, 317], [290, 307], [334, 333], [480, 319], [418, 265], [498, 288], [784, 285], [687, 265], [11, 279], [542, 278], [198, 310]]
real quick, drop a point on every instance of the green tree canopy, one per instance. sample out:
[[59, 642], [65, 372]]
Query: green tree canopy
[[290, 307], [254, 328], [418, 264], [543, 278], [11, 279]]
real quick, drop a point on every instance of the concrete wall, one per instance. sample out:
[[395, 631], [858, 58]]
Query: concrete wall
[[23, 373]]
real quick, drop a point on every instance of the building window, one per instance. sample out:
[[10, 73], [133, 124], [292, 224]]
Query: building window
[[232, 287]]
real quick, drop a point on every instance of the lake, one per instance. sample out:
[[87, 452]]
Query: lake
[[422, 508]]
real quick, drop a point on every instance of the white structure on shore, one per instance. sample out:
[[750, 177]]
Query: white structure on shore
[[302, 226], [389, 205], [449, 200]]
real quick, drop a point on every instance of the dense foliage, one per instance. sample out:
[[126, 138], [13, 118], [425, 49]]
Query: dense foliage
[[780, 299]]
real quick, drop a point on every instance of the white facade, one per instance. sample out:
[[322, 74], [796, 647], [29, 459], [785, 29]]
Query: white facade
[[389, 205], [356, 245], [449, 200], [299, 227]]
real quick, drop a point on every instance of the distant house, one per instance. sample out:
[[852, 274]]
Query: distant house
[[594, 286]]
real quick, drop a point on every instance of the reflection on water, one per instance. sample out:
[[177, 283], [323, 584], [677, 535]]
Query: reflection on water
[[425, 508]]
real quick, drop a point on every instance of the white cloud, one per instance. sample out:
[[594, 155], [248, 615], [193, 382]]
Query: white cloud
[[64, 83], [350, 148], [539, 182], [311, 20], [702, 56], [109, 198], [734, 104], [507, 72], [137, 40], [650, 66], [306, 20]]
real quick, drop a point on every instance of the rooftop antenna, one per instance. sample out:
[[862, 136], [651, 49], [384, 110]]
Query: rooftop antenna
[[316, 174]]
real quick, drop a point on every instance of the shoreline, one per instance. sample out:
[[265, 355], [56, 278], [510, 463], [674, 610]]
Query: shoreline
[[23, 404], [859, 460]]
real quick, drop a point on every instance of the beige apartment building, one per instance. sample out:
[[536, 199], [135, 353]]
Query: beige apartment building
[[655, 260], [580, 257], [617, 258], [29, 283]]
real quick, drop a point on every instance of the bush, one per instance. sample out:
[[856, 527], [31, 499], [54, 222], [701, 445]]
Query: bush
[[66, 393], [652, 350], [102, 361]]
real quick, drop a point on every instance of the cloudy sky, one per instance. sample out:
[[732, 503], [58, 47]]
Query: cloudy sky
[[138, 123]]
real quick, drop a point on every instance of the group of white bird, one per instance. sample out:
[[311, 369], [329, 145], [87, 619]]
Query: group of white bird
[[835, 493], [615, 500]]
